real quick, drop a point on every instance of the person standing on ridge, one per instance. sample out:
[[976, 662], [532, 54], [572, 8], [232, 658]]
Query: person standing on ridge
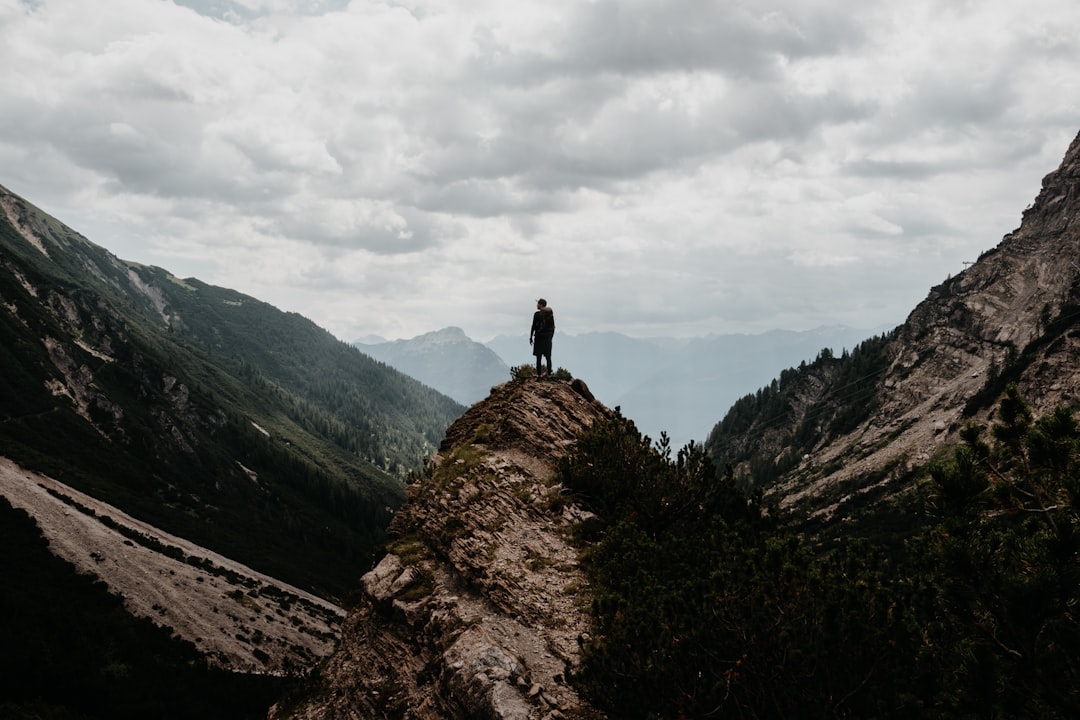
[[543, 329]]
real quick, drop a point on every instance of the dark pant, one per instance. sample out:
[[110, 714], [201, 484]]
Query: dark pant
[[542, 349]]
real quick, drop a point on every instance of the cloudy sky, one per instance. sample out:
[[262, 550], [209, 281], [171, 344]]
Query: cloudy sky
[[655, 168]]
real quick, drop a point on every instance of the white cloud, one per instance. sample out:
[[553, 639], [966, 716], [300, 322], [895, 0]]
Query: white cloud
[[655, 168]]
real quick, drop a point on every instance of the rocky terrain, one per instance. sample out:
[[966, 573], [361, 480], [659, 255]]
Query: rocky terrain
[[477, 608], [240, 619], [1011, 314]]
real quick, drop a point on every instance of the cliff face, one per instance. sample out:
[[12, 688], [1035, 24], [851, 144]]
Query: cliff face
[[1010, 316], [477, 608]]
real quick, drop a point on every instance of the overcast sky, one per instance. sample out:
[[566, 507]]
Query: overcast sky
[[655, 168]]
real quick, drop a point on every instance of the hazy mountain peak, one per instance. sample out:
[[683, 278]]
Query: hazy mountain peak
[[447, 334], [370, 340], [447, 360]]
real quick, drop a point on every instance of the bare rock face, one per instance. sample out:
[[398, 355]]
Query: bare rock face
[[970, 328], [477, 609]]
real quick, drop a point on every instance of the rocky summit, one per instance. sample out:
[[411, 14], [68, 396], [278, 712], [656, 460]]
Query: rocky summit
[[478, 607]]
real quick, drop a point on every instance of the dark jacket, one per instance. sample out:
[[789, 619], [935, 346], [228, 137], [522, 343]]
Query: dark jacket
[[543, 324], [543, 328]]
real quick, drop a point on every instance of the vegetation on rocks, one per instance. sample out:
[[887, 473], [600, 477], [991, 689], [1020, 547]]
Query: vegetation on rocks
[[769, 431], [705, 607], [528, 372]]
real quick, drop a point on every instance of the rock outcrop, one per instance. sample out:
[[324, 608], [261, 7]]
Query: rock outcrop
[[1013, 314], [477, 609]]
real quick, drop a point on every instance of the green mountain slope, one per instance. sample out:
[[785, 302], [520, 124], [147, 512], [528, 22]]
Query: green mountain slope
[[201, 410]]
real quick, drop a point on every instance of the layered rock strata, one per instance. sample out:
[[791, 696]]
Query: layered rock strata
[[477, 609]]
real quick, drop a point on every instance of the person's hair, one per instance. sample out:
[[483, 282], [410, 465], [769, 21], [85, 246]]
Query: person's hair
[[542, 302]]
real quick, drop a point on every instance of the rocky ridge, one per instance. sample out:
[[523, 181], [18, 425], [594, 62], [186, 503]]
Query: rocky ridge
[[477, 609], [1014, 313]]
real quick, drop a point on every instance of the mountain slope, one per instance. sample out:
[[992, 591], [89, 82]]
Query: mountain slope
[[845, 432], [73, 650], [238, 619], [201, 410], [446, 360]]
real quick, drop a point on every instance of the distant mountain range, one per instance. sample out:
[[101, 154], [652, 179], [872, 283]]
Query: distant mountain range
[[678, 386], [446, 360]]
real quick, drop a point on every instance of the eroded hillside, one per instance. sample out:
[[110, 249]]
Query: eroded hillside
[[239, 619]]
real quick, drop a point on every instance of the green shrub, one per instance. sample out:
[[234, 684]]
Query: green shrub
[[522, 372], [527, 372], [705, 608]]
